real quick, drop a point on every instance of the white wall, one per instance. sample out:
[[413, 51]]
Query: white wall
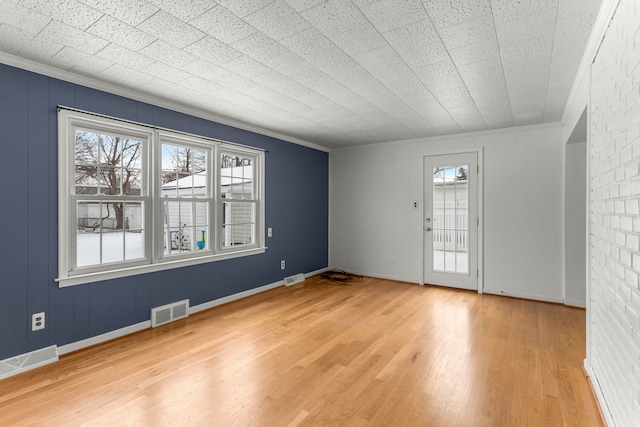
[[376, 231], [575, 224], [613, 359]]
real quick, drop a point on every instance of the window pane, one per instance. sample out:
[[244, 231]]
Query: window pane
[[88, 233], [450, 219], [236, 177], [85, 179], [239, 224], [132, 179], [133, 245], [112, 246]]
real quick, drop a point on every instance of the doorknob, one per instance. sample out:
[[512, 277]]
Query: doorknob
[[427, 229]]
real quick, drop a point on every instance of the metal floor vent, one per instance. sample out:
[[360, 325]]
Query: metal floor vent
[[168, 313], [26, 362], [292, 280]]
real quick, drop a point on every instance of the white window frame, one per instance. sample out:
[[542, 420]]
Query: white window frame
[[151, 195], [255, 201]]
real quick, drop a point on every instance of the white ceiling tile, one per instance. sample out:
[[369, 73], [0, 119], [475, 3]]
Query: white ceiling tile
[[132, 12], [469, 32], [260, 47], [20, 17], [538, 26], [301, 5], [220, 23], [38, 48], [387, 15], [166, 72], [418, 44], [80, 61], [243, 8], [167, 53], [213, 50], [246, 66], [170, 29], [277, 20], [483, 73], [65, 34], [199, 85], [70, 12], [385, 64], [335, 17], [468, 118], [359, 40], [185, 10], [282, 84], [119, 55], [510, 10], [440, 76], [235, 82], [445, 13], [471, 53], [454, 98], [122, 75], [12, 39], [206, 70], [109, 28]]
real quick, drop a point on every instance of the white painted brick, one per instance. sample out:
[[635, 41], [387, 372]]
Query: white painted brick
[[633, 242], [615, 215], [632, 207]]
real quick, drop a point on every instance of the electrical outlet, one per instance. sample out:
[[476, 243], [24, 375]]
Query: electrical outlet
[[37, 321], [269, 232], [282, 265]]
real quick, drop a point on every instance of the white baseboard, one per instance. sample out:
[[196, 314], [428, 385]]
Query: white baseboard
[[315, 273], [535, 297], [573, 303], [239, 295], [99, 339], [382, 276], [602, 402]]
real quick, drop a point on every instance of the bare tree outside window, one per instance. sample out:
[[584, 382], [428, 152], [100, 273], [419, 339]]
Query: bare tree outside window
[[110, 165]]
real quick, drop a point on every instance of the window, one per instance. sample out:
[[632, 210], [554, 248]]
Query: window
[[134, 199]]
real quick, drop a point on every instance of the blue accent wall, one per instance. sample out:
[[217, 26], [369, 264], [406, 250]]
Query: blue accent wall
[[296, 207]]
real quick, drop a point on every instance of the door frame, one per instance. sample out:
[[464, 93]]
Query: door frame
[[479, 151]]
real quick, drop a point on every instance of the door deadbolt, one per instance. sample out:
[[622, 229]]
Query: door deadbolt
[[427, 229], [428, 220]]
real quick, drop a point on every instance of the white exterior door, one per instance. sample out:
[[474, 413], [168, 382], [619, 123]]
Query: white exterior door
[[450, 223]]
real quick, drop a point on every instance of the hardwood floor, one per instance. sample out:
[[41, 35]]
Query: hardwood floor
[[373, 353]]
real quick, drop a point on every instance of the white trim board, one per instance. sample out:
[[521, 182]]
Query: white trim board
[[450, 136]]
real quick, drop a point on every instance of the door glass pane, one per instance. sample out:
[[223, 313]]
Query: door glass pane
[[450, 228]]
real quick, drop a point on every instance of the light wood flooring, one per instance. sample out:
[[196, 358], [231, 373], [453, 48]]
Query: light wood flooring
[[375, 352]]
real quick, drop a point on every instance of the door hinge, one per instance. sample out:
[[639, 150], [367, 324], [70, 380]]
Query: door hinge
[[477, 273], [478, 220], [478, 168]]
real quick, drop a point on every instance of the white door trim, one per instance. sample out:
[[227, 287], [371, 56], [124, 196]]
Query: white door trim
[[479, 151]]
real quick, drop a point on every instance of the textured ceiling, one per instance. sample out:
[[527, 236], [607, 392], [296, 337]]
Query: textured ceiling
[[335, 72]]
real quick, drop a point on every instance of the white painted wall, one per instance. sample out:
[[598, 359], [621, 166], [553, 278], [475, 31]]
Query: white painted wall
[[376, 231], [575, 223]]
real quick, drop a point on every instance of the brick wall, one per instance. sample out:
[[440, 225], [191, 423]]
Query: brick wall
[[615, 216]]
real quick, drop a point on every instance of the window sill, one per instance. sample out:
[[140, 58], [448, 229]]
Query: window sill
[[80, 279]]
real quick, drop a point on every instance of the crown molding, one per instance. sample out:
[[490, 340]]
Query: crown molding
[[475, 134], [97, 84]]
